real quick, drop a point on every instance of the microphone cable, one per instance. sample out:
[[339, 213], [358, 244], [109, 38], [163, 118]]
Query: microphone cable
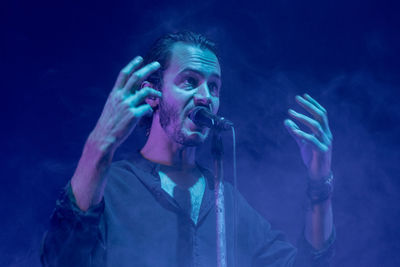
[[235, 192]]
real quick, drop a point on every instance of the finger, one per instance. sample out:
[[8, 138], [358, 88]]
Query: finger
[[311, 139], [325, 123], [142, 110], [126, 71], [313, 125], [291, 124], [139, 76], [312, 100], [291, 127], [311, 108], [140, 95]]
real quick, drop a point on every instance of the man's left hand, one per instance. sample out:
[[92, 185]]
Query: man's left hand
[[315, 147]]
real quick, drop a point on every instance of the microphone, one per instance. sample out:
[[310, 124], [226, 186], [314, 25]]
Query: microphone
[[202, 116]]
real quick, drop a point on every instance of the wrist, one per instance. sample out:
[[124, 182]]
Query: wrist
[[97, 152], [319, 191], [100, 145]]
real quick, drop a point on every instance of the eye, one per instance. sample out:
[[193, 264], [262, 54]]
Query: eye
[[190, 82], [214, 88]]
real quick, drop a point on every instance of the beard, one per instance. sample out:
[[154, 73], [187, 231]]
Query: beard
[[173, 126]]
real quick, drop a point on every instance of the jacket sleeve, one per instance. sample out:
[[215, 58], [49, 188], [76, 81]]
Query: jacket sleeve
[[276, 251], [308, 256], [73, 234], [271, 247]]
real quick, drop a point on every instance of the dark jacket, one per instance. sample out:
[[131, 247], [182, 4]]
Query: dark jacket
[[138, 224]]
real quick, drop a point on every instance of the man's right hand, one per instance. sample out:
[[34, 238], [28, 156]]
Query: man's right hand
[[124, 106]]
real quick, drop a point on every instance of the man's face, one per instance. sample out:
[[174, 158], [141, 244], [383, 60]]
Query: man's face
[[192, 79]]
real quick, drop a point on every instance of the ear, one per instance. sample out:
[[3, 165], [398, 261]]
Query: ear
[[151, 100]]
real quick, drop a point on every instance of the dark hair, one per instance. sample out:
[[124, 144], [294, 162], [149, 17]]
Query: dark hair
[[160, 51]]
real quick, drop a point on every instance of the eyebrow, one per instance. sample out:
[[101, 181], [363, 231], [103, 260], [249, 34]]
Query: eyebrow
[[199, 73]]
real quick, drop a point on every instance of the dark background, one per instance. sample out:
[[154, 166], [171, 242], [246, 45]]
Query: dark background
[[59, 60]]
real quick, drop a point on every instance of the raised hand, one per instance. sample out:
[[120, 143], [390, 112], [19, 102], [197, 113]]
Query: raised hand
[[124, 106], [315, 147]]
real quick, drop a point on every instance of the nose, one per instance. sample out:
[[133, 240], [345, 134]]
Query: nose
[[202, 95]]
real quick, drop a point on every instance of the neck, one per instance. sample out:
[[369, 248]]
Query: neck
[[162, 149]]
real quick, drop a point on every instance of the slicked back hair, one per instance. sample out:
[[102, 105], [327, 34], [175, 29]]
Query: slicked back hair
[[161, 51]]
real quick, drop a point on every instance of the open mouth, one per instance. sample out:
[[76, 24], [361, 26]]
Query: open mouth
[[199, 116]]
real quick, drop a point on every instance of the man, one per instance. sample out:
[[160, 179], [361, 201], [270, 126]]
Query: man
[[158, 208]]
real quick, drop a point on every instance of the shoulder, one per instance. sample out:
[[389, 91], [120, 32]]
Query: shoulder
[[123, 178], [125, 168]]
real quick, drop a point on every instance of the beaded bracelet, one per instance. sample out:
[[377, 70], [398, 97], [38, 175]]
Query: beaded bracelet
[[320, 190]]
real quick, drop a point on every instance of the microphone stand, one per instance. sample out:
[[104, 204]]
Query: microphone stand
[[217, 152]]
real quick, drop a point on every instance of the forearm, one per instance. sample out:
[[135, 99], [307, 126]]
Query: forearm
[[319, 223], [89, 179]]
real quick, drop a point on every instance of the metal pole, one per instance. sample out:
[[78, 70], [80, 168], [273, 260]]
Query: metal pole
[[217, 152]]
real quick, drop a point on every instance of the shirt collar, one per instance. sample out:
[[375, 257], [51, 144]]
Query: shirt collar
[[151, 179], [153, 168]]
